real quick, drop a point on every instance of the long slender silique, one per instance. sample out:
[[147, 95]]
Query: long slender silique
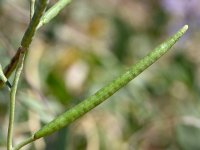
[[107, 91]]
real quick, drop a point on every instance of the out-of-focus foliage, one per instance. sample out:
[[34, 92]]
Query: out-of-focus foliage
[[88, 44]]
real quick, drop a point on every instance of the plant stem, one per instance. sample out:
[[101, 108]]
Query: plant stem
[[53, 11], [27, 38], [12, 101], [11, 67], [32, 8], [48, 16], [25, 142], [25, 43], [4, 79]]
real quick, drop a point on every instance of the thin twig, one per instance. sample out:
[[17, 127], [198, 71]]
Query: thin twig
[[12, 100], [22, 51], [48, 16], [27, 38], [32, 8], [11, 67], [4, 79], [25, 142], [53, 11]]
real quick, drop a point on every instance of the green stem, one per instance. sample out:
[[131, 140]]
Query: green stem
[[107, 91], [50, 14], [11, 67], [4, 79], [25, 142], [32, 8], [53, 11], [27, 38], [12, 101], [25, 43]]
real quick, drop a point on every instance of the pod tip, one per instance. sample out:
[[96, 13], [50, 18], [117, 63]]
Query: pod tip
[[185, 27]]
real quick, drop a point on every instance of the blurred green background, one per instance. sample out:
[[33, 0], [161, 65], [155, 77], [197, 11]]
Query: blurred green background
[[87, 45]]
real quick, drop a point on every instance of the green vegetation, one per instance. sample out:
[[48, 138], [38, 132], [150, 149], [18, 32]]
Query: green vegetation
[[73, 56]]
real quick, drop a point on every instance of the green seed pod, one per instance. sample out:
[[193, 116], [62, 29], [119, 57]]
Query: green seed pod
[[107, 91]]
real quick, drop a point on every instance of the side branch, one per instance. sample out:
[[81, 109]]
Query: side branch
[[27, 38], [18, 62], [11, 67]]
